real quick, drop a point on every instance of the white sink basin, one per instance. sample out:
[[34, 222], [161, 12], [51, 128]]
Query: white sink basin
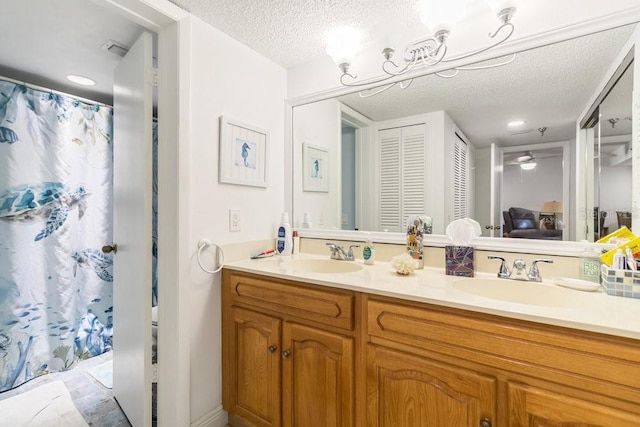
[[328, 266], [521, 292]]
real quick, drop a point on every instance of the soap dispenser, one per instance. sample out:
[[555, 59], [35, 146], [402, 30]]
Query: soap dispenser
[[368, 252]]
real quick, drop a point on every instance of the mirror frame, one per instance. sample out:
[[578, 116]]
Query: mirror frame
[[563, 248]]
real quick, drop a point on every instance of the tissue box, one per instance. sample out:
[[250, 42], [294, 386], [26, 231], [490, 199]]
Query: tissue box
[[621, 283], [459, 261]]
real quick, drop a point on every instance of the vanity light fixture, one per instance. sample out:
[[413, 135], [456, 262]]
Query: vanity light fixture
[[81, 80], [528, 166], [440, 17]]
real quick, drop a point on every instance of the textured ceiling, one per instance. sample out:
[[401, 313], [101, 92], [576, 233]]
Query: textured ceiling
[[549, 86], [290, 32]]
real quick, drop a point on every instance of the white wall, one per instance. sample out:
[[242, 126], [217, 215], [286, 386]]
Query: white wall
[[530, 189], [318, 124], [615, 193], [226, 78]]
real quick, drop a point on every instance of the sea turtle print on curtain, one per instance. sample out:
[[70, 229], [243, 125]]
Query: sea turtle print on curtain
[[55, 214]]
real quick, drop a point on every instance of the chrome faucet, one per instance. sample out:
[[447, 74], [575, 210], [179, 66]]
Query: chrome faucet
[[518, 271], [337, 252]]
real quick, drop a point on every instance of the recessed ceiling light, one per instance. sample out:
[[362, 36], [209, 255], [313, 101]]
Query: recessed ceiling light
[[85, 81], [515, 123]]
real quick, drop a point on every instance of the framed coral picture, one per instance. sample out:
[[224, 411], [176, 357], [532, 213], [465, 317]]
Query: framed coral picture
[[315, 168], [243, 153]]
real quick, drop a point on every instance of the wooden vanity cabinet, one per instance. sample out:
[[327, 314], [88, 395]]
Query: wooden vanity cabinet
[[303, 355], [485, 370], [288, 353]]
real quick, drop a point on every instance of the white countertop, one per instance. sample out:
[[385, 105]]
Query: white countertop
[[589, 311]]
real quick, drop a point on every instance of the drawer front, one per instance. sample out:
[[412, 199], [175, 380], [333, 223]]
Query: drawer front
[[554, 353], [329, 307]]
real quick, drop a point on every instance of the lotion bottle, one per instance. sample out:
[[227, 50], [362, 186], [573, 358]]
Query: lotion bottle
[[284, 241], [368, 252], [590, 265]]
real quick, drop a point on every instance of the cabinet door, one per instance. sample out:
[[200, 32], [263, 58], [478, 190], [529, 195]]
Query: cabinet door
[[317, 378], [255, 367], [411, 391], [534, 407]]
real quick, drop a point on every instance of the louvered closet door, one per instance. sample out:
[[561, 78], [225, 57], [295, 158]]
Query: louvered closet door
[[402, 175], [460, 180], [412, 171], [389, 193]]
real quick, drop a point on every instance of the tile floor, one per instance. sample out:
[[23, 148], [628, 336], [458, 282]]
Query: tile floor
[[94, 401]]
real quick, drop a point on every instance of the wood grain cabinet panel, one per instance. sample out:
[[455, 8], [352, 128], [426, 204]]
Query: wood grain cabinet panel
[[254, 373], [409, 391], [318, 378], [330, 307], [534, 407]]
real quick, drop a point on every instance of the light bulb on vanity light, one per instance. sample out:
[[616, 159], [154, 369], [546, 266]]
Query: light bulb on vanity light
[[342, 45], [441, 16]]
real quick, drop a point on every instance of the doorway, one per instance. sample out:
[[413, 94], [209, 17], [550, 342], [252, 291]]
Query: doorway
[[158, 16]]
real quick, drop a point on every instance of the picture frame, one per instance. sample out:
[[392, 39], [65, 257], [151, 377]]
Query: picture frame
[[243, 153], [315, 168]]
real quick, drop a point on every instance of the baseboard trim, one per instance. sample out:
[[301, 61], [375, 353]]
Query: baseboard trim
[[215, 418]]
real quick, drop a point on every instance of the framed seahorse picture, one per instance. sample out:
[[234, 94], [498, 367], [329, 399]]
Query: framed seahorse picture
[[243, 153], [315, 168]]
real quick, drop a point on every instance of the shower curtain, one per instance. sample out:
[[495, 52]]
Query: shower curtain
[[56, 172]]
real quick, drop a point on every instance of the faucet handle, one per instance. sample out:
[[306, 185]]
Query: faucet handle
[[534, 273], [504, 269], [335, 250]]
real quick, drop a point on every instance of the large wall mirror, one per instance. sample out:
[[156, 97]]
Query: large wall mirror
[[449, 145]]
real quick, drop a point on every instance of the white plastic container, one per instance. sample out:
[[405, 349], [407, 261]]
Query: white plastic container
[[296, 243], [284, 240], [368, 252], [590, 265]]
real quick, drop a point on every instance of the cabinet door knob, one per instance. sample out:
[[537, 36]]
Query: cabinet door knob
[[285, 354], [485, 422], [272, 348]]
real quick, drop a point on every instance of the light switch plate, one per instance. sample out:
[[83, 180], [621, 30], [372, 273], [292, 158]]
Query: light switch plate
[[234, 220]]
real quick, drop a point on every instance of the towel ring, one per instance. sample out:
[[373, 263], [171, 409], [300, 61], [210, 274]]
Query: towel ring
[[204, 244]]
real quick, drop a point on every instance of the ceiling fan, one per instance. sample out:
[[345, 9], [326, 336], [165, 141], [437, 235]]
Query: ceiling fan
[[527, 157]]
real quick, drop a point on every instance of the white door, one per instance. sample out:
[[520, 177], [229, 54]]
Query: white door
[[496, 190], [132, 182]]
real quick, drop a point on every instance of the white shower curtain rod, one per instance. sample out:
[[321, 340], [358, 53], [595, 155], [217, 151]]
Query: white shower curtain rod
[[57, 92]]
